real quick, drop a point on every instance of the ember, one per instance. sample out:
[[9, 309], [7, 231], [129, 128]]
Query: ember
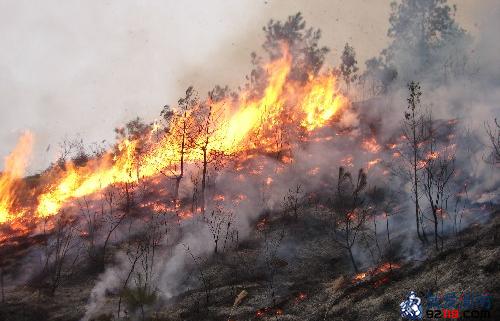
[[371, 145], [261, 225], [381, 269], [301, 296]]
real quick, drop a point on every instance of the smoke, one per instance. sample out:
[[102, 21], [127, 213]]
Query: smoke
[[469, 95]]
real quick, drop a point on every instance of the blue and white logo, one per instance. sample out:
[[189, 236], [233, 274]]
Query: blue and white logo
[[411, 308]]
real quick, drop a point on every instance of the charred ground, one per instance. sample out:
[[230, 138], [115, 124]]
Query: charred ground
[[311, 280]]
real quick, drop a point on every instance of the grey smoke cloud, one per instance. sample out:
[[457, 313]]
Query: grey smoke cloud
[[69, 68]]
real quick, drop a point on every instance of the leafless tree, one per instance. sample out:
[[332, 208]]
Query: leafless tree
[[142, 253], [71, 150], [493, 133], [414, 134], [180, 128], [349, 211], [2, 282], [112, 219], [135, 131], [133, 254], [383, 206], [194, 195], [439, 168], [272, 243], [219, 222], [60, 251], [89, 232], [206, 282], [208, 124], [292, 202]]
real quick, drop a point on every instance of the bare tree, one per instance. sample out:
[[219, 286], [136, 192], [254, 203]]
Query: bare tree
[[2, 281], [133, 254], [439, 168], [272, 262], [180, 128], [142, 253], [349, 212], [413, 129], [208, 123], [71, 150], [206, 282], [89, 232], [219, 223], [60, 253], [112, 217], [384, 205], [494, 138], [292, 202]]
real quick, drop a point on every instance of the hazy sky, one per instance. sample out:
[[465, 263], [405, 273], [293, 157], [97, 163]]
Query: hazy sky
[[85, 67]]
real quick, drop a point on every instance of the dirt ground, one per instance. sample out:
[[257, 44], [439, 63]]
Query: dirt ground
[[310, 279]]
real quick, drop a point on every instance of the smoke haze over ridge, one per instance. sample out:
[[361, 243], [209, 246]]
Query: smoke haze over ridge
[[71, 68]]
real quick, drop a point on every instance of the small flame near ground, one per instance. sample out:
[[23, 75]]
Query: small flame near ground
[[376, 271]]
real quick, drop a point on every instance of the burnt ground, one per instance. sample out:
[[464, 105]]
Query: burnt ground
[[309, 278]]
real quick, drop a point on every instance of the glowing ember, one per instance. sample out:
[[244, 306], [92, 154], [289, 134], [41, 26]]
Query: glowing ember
[[261, 225], [184, 215], [301, 297], [371, 145], [313, 171], [347, 161], [373, 163], [432, 155], [286, 159], [381, 269], [391, 146], [218, 198], [360, 276]]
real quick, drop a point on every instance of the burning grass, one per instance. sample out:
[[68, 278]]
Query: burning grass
[[377, 275], [236, 126]]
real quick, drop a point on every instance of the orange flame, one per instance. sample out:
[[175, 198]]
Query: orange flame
[[240, 123], [14, 167], [371, 145], [382, 268]]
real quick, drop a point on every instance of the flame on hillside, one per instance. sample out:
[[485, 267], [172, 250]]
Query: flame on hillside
[[375, 272], [10, 179], [239, 124]]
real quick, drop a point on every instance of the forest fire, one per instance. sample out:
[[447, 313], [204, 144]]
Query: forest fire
[[231, 126], [324, 184]]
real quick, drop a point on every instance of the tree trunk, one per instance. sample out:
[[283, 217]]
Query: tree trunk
[[204, 179], [176, 188], [351, 256], [415, 178], [1, 284], [435, 228], [181, 174]]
